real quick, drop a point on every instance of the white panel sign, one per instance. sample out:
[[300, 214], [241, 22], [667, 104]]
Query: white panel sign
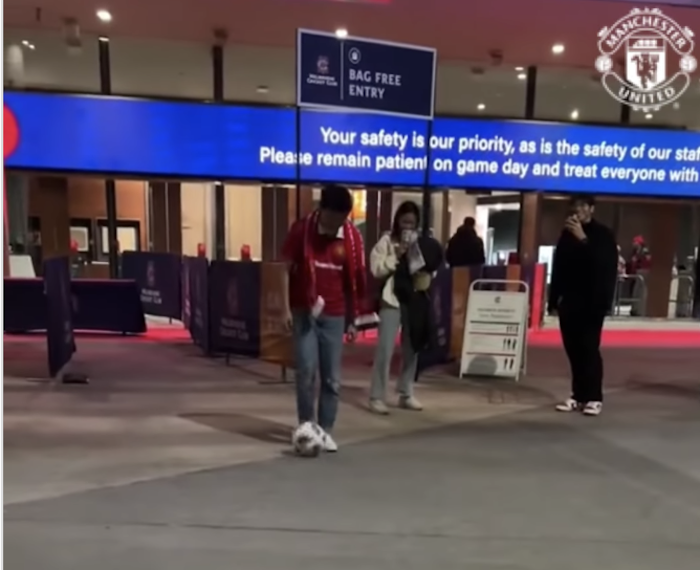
[[495, 332]]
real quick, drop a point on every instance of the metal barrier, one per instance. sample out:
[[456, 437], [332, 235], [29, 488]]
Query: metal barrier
[[636, 295], [681, 308]]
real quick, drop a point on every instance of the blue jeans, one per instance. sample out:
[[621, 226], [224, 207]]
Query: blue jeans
[[318, 344]]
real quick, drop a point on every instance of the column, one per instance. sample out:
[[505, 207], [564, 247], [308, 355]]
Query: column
[[165, 217], [663, 243], [110, 188], [217, 63], [530, 202]]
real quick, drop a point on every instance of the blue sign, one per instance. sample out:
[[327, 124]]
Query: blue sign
[[97, 135], [365, 75]]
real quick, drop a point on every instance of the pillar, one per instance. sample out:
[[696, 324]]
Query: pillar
[[110, 187], [217, 63], [529, 236], [530, 202], [165, 217], [663, 243]]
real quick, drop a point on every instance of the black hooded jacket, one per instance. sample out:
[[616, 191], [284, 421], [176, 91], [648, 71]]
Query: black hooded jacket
[[465, 248], [421, 325], [584, 273]]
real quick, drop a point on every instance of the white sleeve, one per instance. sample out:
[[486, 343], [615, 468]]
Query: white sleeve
[[382, 260]]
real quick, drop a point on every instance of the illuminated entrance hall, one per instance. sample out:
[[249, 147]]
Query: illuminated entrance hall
[[187, 146]]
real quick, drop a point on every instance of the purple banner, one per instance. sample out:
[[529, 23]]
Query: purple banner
[[59, 307], [158, 278], [234, 307]]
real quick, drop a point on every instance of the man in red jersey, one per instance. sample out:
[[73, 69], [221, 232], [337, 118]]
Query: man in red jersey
[[327, 281]]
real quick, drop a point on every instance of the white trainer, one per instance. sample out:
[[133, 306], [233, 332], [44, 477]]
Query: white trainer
[[592, 408], [410, 403], [378, 407], [329, 444], [569, 405]]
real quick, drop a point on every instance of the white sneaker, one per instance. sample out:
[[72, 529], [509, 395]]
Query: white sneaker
[[569, 405], [329, 444], [410, 403], [592, 408], [378, 407]]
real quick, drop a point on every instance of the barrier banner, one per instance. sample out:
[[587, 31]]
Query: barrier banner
[[185, 292], [234, 307], [59, 307], [158, 277], [441, 298], [275, 341], [198, 273], [535, 275], [462, 278], [494, 272]]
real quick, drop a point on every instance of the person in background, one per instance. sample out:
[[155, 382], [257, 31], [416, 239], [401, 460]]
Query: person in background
[[621, 263], [465, 246], [383, 263], [641, 256], [326, 282], [584, 274]]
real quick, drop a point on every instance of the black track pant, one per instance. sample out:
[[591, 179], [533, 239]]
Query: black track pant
[[580, 332]]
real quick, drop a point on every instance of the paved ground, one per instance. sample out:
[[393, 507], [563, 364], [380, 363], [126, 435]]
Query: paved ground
[[172, 461]]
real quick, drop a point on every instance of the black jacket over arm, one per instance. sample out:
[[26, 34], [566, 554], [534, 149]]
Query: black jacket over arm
[[584, 273]]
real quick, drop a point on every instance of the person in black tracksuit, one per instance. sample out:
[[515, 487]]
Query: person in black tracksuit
[[582, 289]]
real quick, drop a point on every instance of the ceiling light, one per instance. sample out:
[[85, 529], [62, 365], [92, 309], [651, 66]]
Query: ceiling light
[[522, 76], [558, 49], [104, 16], [481, 106], [341, 33], [574, 115], [648, 116], [27, 44], [262, 89], [520, 68]]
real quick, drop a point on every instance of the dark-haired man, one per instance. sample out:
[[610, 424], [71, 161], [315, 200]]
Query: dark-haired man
[[327, 281], [465, 246], [584, 275]]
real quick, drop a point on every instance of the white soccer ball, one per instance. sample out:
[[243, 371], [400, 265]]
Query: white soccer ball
[[604, 64], [307, 440], [688, 64]]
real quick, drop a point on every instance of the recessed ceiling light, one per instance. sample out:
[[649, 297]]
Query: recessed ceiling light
[[520, 68], [574, 115], [341, 33], [262, 89], [104, 16], [558, 49], [648, 116], [522, 76], [27, 44], [481, 106]]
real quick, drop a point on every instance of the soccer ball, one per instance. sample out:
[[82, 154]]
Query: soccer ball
[[307, 440]]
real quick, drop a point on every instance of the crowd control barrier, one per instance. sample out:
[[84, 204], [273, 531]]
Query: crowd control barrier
[[158, 278], [680, 304], [246, 311], [59, 309], [631, 291]]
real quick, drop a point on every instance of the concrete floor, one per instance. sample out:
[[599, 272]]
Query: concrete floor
[[168, 460]]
